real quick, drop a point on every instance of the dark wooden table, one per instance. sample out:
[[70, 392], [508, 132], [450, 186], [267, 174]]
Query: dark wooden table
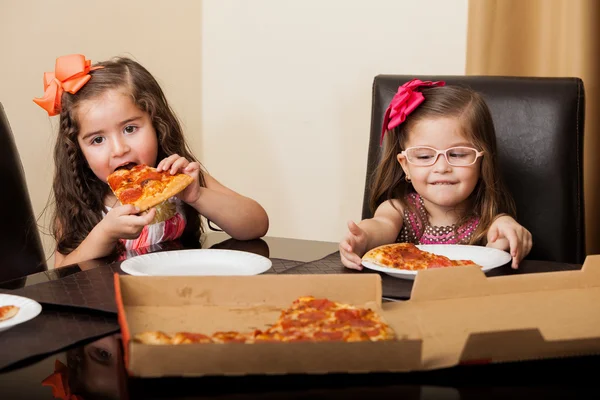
[[97, 366]]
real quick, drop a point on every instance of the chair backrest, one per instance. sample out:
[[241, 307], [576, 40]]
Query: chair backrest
[[539, 128], [21, 251]]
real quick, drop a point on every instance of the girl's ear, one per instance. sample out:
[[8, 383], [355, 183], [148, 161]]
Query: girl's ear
[[403, 163]]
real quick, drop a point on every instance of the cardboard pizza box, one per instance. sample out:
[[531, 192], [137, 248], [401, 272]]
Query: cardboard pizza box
[[243, 304], [455, 316], [464, 317]]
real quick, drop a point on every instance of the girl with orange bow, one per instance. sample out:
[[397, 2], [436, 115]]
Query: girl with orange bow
[[112, 114], [437, 181]]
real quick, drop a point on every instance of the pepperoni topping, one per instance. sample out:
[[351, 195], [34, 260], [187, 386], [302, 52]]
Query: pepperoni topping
[[363, 323], [439, 262], [373, 332], [320, 304], [130, 195], [115, 181], [324, 335], [294, 323], [313, 315], [149, 176], [349, 314]]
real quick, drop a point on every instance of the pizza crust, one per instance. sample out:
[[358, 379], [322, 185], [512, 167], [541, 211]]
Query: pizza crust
[[8, 312]]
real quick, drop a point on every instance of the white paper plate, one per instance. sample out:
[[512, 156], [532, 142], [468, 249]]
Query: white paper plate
[[29, 309], [197, 262], [489, 258]]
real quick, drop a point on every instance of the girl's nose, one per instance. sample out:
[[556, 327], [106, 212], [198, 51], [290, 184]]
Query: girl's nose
[[119, 147], [441, 164]]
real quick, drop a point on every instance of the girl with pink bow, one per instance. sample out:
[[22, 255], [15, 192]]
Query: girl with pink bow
[[438, 180], [114, 114]]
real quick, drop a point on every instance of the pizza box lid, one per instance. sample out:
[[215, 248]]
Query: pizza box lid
[[464, 317]]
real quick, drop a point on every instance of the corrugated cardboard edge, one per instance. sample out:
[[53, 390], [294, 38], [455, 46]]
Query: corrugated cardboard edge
[[274, 358], [122, 318], [470, 281]]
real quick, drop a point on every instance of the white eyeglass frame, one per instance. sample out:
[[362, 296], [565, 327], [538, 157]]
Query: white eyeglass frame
[[444, 152]]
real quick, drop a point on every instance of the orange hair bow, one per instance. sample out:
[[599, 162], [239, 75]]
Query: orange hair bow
[[71, 72], [59, 383]]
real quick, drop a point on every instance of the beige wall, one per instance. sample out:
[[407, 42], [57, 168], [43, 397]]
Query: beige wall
[[274, 95], [287, 96], [165, 39]]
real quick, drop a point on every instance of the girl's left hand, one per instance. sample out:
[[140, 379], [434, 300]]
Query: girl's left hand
[[506, 229], [176, 164]]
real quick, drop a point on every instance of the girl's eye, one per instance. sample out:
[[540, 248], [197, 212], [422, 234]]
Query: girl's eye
[[103, 354], [130, 129], [97, 140]]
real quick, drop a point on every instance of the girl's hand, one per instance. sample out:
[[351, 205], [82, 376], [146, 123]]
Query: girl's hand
[[507, 234], [353, 246], [122, 222], [176, 164]]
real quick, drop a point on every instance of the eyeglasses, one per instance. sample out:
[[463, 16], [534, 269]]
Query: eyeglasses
[[457, 156]]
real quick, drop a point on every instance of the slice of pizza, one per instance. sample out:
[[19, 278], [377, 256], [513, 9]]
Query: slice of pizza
[[409, 257], [320, 319], [144, 186], [8, 312]]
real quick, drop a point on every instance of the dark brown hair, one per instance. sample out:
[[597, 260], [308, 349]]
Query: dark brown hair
[[78, 193], [490, 196]]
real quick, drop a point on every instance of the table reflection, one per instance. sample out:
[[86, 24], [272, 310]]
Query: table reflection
[[91, 371]]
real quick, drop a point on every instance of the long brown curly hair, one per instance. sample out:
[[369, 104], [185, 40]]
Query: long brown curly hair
[[79, 195], [490, 196]]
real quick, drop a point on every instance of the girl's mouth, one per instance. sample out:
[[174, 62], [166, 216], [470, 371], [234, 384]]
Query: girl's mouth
[[128, 165]]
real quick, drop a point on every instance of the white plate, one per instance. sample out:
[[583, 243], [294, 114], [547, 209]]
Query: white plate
[[489, 258], [29, 309], [197, 262]]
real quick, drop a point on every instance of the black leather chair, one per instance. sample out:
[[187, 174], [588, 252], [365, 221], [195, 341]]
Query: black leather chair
[[21, 251], [539, 127]]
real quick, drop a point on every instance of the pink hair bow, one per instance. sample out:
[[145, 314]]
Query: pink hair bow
[[404, 102], [71, 72]]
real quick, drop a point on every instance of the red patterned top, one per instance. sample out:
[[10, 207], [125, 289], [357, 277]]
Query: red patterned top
[[417, 230]]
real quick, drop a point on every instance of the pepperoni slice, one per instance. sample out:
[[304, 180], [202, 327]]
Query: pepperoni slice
[[324, 335], [149, 176], [130, 195], [115, 181], [312, 315], [320, 304], [349, 314]]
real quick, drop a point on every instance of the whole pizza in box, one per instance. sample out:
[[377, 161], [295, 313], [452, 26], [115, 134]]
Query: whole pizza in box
[[308, 319]]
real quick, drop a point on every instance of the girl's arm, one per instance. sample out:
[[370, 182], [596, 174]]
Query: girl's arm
[[385, 225], [93, 246], [240, 217], [383, 228], [119, 223], [507, 234]]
